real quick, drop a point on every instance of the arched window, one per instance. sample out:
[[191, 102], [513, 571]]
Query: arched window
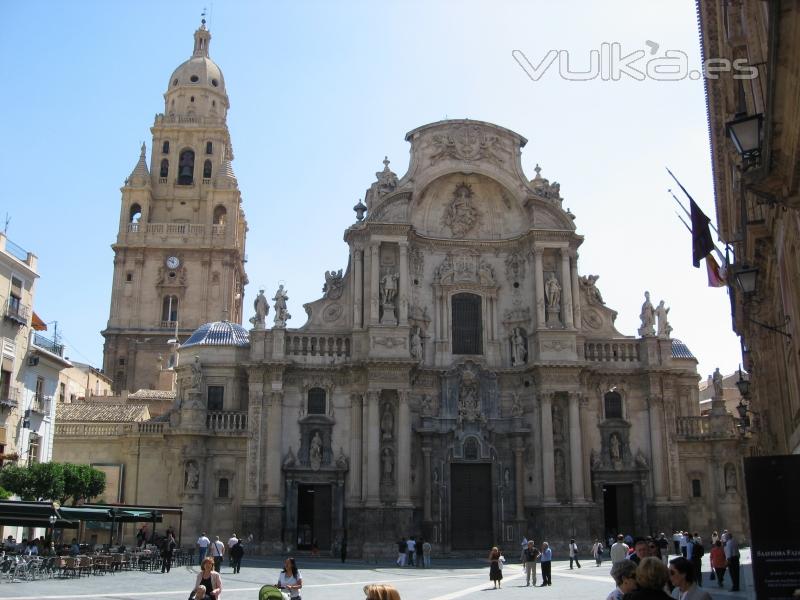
[[169, 310], [223, 487], [613, 405], [219, 215], [165, 147], [471, 449], [186, 168], [209, 148], [135, 214], [316, 401], [467, 324], [207, 169], [164, 172]]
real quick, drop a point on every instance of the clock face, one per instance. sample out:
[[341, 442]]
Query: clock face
[[173, 262]]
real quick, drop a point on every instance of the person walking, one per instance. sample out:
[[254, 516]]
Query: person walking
[[573, 553], [167, 549], [290, 578], [420, 553], [426, 553], [529, 557], [343, 549], [597, 551], [209, 580], [718, 562], [546, 559], [232, 541], [237, 552], [619, 551], [411, 550], [217, 552], [732, 556], [401, 552], [202, 544], [695, 552], [663, 547], [495, 569]]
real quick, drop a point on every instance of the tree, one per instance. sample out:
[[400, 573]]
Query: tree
[[47, 480], [17, 480], [82, 482], [53, 481]]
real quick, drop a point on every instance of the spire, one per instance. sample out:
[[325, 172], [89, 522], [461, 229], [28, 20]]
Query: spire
[[140, 174], [225, 175], [202, 38]]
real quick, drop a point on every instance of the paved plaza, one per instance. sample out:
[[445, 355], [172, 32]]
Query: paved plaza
[[324, 578]]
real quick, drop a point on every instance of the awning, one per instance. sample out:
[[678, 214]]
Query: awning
[[81, 513], [32, 514], [37, 323]]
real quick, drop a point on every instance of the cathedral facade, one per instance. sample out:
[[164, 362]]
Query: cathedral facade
[[458, 379]]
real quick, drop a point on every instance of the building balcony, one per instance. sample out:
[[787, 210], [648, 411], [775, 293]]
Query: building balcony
[[169, 324], [47, 344], [9, 398], [41, 404], [705, 428], [17, 312], [227, 421]]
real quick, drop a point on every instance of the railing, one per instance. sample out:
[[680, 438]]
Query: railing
[[16, 251], [41, 404], [168, 324], [706, 427], [48, 344], [217, 229], [146, 427], [226, 421], [90, 429], [162, 180], [206, 180], [17, 311], [185, 229], [9, 397], [191, 119], [618, 351], [298, 344]]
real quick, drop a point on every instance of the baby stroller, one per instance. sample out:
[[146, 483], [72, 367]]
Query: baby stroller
[[270, 592]]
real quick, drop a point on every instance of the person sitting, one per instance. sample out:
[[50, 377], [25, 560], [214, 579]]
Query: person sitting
[[651, 576], [74, 549], [381, 592], [683, 575], [624, 575]]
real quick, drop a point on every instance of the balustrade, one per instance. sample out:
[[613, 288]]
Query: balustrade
[[230, 421], [612, 351], [335, 346], [706, 427]]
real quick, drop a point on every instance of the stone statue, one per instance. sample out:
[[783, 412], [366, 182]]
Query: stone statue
[[426, 406], [593, 295], [469, 408], [594, 459], [341, 461], [518, 351], [641, 459], [192, 476], [730, 477], [553, 292], [315, 452], [261, 306], [517, 409], [197, 374], [461, 216], [387, 423], [334, 284], [289, 460], [388, 464], [281, 313], [614, 447], [664, 328], [416, 343], [716, 380], [647, 317], [389, 288]]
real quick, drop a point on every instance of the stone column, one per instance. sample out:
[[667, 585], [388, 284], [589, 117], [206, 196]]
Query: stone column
[[374, 283], [358, 291], [575, 449], [355, 446], [403, 449], [566, 289], [539, 293], [274, 459], [373, 449], [576, 294], [403, 300], [548, 467], [656, 447], [519, 482], [426, 466], [254, 421], [364, 447]]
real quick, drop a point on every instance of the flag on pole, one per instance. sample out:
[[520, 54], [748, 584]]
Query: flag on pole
[[716, 276], [702, 243]]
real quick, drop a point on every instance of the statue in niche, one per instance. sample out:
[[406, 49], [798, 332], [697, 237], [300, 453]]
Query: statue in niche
[[315, 452], [197, 374], [426, 406], [716, 380], [614, 447], [518, 351], [416, 343], [647, 317], [558, 423], [507, 477], [553, 292], [461, 216], [516, 405], [436, 475], [664, 328], [387, 423], [560, 469], [388, 464], [389, 288], [289, 460], [593, 295], [192, 476], [468, 403], [261, 306], [730, 477], [281, 313]]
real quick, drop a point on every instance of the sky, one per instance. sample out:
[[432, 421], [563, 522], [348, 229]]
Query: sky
[[320, 92]]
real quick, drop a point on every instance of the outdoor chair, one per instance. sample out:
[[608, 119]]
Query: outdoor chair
[[6, 569], [85, 565], [70, 566]]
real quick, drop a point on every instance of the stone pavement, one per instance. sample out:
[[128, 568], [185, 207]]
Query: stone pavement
[[450, 579]]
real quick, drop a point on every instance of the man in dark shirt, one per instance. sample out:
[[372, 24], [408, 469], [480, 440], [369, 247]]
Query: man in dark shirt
[[529, 557]]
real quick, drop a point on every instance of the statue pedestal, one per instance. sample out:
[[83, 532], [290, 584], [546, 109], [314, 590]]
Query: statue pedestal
[[552, 317], [389, 317]]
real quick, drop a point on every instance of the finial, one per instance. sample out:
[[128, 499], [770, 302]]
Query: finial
[[144, 149], [538, 170], [203, 17], [386, 163], [360, 209]]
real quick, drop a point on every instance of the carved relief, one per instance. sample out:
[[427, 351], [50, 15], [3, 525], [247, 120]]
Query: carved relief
[[465, 268], [469, 405], [191, 476], [389, 342], [416, 259], [461, 216], [332, 313], [515, 267], [466, 142], [591, 319]]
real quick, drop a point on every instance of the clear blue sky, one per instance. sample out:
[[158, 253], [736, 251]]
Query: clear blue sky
[[320, 92]]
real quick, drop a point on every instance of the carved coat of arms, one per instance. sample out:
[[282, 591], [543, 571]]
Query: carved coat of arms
[[461, 216]]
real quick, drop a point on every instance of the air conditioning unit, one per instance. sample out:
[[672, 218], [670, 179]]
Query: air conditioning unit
[[33, 361]]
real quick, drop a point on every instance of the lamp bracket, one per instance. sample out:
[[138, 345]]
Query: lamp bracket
[[775, 328]]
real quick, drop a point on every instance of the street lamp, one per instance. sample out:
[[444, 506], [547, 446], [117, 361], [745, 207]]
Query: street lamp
[[745, 133], [744, 387], [746, 278], [52, 520]]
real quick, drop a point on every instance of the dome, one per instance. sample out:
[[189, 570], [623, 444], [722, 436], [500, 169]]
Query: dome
[[198, 71], [219, 333]]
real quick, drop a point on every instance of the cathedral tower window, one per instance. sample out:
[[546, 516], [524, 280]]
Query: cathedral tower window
[[207, 169], [164, 172], [186, 168], [467, 324], [316, 401], [216, 397], [220, 212], [612, 402], [135, 213], [169, 310], [209, 148], [165, 147]]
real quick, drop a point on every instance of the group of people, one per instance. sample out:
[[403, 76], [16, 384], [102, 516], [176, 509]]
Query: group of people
[[651, 579], [208, 583], [529, 556], [413, 552], [216, 551]]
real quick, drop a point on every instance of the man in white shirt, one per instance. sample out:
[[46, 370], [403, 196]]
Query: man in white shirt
[[573, 554], [231, 543], [732, 556], [202, 544], [411, 549], [217, 551], [619, 551]]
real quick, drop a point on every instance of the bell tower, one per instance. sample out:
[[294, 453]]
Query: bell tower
[[179, 253]]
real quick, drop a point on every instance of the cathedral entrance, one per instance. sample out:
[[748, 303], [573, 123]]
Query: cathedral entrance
[[314, 511], [618, 509], [471, 506]]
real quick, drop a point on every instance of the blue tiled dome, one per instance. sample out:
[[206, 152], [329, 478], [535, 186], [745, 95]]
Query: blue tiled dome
[[219, 333], [681, 350]]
